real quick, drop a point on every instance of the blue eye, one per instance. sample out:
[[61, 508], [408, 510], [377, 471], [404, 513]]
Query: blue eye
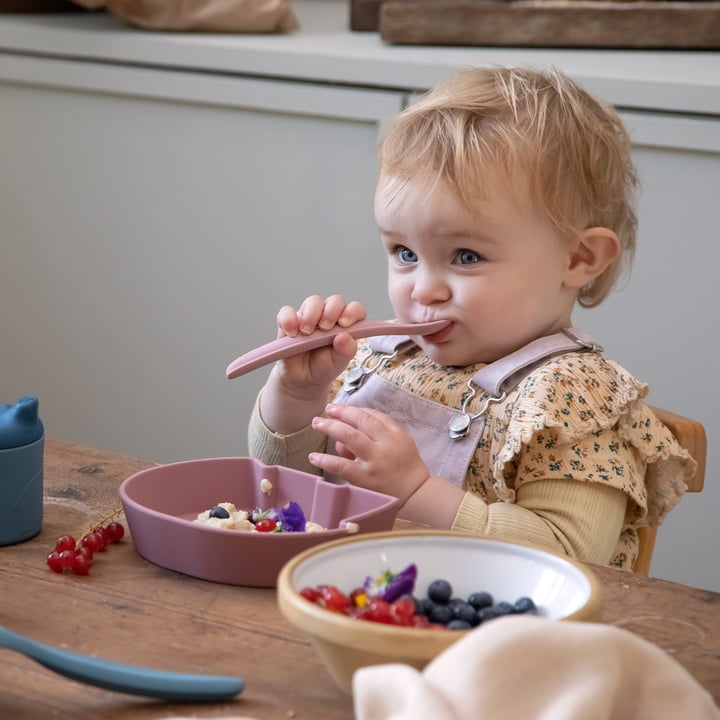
[[406, 255], [468, 257]]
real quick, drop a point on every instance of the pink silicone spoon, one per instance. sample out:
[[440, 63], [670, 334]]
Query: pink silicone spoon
[[286, 346]]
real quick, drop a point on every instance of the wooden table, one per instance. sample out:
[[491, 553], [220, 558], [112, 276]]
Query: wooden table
[[129, 610]]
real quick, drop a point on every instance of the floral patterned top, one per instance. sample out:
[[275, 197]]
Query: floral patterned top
[[578, 416]]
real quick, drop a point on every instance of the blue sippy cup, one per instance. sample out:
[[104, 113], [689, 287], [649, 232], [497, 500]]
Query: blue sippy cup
[[21, 471]]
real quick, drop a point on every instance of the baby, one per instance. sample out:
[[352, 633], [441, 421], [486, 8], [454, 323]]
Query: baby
[[504, 199]]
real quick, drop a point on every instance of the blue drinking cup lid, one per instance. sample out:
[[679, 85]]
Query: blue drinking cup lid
[[20, 423]]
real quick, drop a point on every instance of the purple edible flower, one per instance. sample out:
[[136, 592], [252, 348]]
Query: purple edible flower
[[390, 586], [292, 518]]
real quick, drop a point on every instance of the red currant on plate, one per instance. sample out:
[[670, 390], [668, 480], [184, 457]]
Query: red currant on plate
[[265, 525]]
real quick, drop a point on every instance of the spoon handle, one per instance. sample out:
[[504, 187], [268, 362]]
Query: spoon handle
[[125, 678], [286, 346]]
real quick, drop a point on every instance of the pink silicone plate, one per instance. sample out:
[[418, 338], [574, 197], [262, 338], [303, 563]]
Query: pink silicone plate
[[286, 346], [162, 502]]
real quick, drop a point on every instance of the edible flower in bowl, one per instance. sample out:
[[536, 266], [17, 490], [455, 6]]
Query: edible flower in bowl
[[390, 586], [289, 518]]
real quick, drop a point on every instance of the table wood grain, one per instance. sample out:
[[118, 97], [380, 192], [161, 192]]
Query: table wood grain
[[129, 610]]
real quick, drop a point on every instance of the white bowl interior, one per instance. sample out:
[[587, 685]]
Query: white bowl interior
[[470, 564]]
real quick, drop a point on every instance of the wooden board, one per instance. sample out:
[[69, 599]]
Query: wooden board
[[553, 23], [38, 6], [365, 15]]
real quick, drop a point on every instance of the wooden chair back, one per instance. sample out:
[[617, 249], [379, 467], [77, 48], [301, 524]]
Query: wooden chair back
[[691, 435]]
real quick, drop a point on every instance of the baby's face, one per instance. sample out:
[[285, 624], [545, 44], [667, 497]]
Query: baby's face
[[498, 274]]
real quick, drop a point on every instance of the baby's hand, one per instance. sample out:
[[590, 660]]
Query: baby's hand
[[310, 374], [317, 313], [374, 451]]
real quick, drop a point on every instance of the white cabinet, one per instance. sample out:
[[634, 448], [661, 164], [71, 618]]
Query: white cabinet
[[663, 325], [153, 223]]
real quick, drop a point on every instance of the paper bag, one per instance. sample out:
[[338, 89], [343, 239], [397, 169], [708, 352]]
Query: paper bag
[[231, 16]]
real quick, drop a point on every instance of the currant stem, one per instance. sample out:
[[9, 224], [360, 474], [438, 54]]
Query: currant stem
[[100, 523]]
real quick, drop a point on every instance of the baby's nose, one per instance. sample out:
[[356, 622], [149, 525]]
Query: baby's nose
[[430, 287]]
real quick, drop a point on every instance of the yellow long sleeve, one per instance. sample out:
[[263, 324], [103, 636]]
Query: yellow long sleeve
[[579, 519]]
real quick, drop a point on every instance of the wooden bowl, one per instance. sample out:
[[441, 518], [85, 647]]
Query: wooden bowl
[[561, 588]]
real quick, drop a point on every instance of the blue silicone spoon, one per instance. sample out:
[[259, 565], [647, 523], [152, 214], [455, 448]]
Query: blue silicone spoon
[[124, 678]]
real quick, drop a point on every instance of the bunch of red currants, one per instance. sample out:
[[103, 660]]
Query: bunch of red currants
[[76, 556]]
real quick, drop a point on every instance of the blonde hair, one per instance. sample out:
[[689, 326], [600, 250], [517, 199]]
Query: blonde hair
[[573, 148]]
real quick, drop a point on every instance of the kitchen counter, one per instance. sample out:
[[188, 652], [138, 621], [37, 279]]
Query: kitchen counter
[[325, 50]]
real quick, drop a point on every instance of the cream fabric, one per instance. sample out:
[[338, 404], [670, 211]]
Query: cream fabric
[[531, 668]]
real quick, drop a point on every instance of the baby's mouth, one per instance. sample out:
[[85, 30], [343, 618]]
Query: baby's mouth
[[441, 335]]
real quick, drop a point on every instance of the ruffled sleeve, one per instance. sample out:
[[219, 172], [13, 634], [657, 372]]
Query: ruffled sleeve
[[581, 416]]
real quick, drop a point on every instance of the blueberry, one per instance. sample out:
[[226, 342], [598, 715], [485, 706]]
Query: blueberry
[[219, 512], [440, 591], [525, 605], [480, 600], [459, 625], [465, 612], [441, 614], [423, 606], [503, 608], [487, 613]]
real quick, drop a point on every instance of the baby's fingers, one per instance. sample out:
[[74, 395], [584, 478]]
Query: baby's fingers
[[331, 311], [344, 452], [317, 312], [311, 313], [352, 312], [288, 322], [337, 311], [355, 442]]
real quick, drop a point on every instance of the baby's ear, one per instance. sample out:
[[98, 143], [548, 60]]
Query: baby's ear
[[594, 250]]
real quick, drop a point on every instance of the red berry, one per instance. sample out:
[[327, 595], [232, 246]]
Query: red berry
[[66, 558], [65, 542], [333, 598], [101, 539], [53, 561], [403, 611], [265, 525], [81, 563], [311, 594], [93, 541], [86, 552], [115, 532], [377, 610]]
